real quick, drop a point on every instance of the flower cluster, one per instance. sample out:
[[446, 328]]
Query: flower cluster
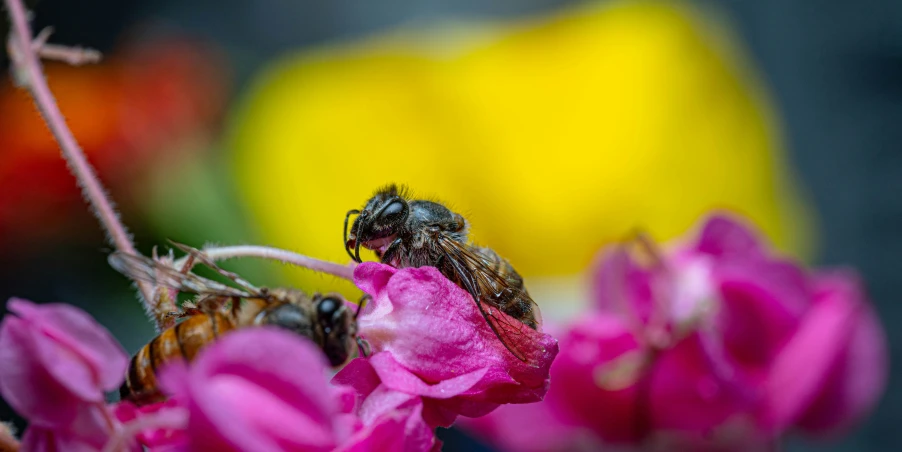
[[57, 364], [717, 343], [433, 348], [262, 389]]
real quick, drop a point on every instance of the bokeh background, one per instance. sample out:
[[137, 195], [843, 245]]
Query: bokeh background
[[555, 126]]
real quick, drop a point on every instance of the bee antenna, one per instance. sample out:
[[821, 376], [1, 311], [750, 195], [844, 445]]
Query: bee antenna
[[347, 216]]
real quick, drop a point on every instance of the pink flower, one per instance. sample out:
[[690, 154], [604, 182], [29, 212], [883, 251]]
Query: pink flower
[[378, 404], [56, 358], [721, 339], [596, 378], [264, 389], [431, 341], [90, 431], [834, 369], [543, 426], [158, 426], [531, 427], [57, 363]]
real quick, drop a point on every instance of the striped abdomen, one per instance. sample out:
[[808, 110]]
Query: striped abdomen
[[182, 341]]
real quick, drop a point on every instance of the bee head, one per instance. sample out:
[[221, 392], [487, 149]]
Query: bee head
[[384, 215], [337, 324], [290, 317]]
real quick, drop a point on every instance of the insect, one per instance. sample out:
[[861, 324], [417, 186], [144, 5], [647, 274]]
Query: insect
[[417, 233], [219, 308]]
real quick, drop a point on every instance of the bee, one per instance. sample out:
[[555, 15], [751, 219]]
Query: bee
[[219, 309], [416, 233]]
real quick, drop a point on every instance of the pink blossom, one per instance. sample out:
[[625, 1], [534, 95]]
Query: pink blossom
[[157, 426], [596, 378], [720, 343], [57, 363], [378, 404], [56, 358], [544, 426], [834, 369], [264, 389], [89, 431], [431, 341]]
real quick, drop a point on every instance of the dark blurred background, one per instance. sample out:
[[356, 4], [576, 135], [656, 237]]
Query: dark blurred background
[[833, 71]]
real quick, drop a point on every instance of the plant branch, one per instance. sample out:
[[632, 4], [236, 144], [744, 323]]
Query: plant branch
[[286, 257], [24, 53]]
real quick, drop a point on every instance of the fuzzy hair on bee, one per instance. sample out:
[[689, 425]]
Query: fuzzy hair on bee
[[218, 309], [406, 232]]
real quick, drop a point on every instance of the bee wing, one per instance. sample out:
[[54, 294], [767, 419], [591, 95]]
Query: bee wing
[[485, 284], [144, 268]]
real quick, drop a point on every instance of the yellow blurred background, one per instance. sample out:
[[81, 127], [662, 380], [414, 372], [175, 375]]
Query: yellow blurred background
[[554, 135], [555, 126]]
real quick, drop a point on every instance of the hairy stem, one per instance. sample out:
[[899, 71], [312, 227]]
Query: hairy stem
[[286, 257], [26, 61]]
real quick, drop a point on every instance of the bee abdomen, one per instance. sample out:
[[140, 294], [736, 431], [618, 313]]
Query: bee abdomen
[[514, 300], [183, 341]]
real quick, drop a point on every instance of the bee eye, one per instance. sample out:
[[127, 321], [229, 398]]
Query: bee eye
[[395, 211], [326, 308]]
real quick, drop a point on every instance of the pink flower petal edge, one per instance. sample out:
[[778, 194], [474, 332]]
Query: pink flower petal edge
[[56, 359], [725, 344]]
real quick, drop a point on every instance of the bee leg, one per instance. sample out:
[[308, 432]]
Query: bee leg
[[391, 251], [166, 300], [162, 307], [208, 304], [236, 306], [364, 347], [363, 300], [171, 316], [347, 246], [204, 259]]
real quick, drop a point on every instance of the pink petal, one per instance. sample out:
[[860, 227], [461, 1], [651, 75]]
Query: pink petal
[[694, 389], [165, 423], [27, 385], [360, 375], [381, 404], [725, 236], [622, 286], [761, 305], [398, 378], [38, 439], [258, 390], [433, 328], [89, 431], [59, 363], [394, 422], [802, 368], [384, 436], [588, 353], [859, 377], [80, 333], [530, 427]]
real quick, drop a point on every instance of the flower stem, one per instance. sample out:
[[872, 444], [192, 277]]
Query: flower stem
[[28, 66], [284, 256]]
